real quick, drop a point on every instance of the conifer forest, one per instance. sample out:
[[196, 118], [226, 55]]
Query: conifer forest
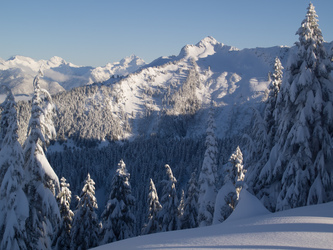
[[169, 146]]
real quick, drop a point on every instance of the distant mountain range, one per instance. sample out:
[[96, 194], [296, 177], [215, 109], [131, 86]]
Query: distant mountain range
[[18, 73], [148, 98]]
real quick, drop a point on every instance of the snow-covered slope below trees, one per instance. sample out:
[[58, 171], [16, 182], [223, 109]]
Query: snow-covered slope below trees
[[18, 73], [301, 228]]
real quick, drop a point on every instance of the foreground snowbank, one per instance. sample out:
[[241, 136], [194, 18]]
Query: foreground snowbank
[[301, 228]]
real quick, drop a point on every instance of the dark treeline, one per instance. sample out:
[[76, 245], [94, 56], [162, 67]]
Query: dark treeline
[[144, 158]]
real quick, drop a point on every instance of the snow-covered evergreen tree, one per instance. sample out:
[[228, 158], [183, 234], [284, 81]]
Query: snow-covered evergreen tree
[[263, 132], [257, 145], [181, 205], [153, 224], [41, 182], [262, 138], [237, 171], [5, 115], [14, 207], [297, 171], [207, 177], [84, 232], [8, 118], [118, 217], [190, 215], [228, 195], [274, 89], [62, 239], [47, 115], [169, 213]]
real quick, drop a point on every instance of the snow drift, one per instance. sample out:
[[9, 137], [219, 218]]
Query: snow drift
[[250, 227]]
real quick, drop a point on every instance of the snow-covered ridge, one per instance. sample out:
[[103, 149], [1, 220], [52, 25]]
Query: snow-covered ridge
[[206, 47], [18, 73], [124, 67], [234, 79]]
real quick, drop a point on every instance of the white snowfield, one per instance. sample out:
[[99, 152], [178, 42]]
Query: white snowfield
[[250, 226]]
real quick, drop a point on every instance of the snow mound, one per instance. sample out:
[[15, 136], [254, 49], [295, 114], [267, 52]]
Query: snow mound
[[248, 206], [308, 227]]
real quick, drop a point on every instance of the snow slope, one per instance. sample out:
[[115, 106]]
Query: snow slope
[[249, 227], [235, 80], [124, 67], [151, 100], [18, 73]]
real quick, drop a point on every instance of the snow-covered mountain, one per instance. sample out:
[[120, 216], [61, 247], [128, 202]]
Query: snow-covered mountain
[[18, 72], [250, 226], [168, 97], [209, 71], [124, 67]]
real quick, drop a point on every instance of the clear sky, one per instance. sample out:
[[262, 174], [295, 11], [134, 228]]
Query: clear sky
[[95, 32]]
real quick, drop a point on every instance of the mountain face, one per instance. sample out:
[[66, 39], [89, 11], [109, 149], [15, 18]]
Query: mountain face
[[155, 97], [18, 72], [168, 97], [124, 67]]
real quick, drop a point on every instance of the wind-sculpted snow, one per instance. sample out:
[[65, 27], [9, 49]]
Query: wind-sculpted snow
[[251, 227]]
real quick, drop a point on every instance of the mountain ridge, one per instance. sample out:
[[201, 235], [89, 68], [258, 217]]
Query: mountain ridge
[[168, 97], [59, 75]]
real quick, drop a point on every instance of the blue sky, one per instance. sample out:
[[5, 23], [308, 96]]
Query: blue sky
[[95, 32]]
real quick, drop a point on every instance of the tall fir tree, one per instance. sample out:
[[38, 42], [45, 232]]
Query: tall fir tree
[[237, 171], [153, 225], [5, 114], [63, 236], [41, 182], [8, 119], [190, 215], [181, 205], [263, 137], [118, 217], [169, 213], [274, 89], [228, 195], [84, 232], [14, 207], [207, 177], [297, 170]]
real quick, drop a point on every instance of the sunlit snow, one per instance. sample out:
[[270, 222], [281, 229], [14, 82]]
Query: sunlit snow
[[251, 226]]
